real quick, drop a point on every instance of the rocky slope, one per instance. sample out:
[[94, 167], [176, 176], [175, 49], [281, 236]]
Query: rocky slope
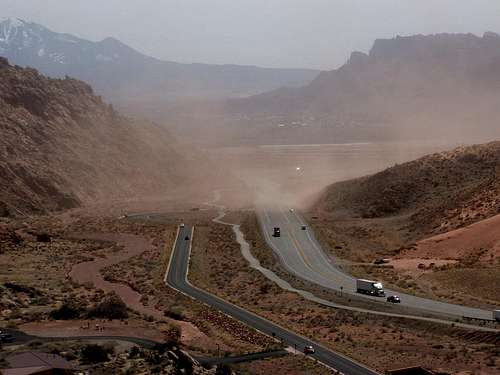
[[436, 193], [443, 85], [121, 73], [62, 146]]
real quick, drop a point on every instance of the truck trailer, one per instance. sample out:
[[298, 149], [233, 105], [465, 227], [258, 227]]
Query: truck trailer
[[373, 288], [496, 315]]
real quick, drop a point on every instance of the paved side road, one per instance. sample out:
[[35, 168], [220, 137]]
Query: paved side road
[[176, 277]]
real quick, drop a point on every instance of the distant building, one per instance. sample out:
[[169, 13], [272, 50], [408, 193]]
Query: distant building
[[37, 363]]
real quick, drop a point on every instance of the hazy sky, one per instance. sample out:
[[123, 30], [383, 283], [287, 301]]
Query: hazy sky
[[275, 33]]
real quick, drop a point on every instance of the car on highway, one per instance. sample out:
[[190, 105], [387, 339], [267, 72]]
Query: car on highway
[[394, 299], [309, 349], [186, 238], [182, 225], [303, 227], [6, 338], [276, 232]]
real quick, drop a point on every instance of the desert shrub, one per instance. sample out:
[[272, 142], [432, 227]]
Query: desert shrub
[[134, 352], [94, 354], [69, 355], [35, 344], [18, 288], [175, 312], [173, 337], [43, 237], [67, 311], [223, 369], [183, 364], [111, 307]]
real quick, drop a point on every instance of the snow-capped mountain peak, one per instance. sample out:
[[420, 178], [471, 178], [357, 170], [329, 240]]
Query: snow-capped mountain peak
[[14, 22], [114, 68], [9, 29]]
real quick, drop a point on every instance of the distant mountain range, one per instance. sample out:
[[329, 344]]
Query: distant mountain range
[[444, 85], [121, 73]]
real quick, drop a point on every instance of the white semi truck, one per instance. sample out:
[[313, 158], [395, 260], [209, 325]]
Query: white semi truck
[[373, 288]]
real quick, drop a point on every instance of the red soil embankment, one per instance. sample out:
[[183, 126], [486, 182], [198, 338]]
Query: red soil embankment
[[482, 236]]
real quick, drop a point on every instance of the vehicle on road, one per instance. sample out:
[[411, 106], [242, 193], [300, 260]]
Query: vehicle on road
[[276, 232], [394, 299], [182, 225], [6, 338], [496, 315], [381, 261], [373, 288], [309, 349], [291, 210], [303, 227], [186, 238]]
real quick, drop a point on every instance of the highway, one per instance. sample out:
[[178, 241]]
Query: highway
[[176, 277], [301, 254]]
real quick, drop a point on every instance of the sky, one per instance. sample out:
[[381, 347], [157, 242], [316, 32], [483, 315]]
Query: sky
[[318, 34]]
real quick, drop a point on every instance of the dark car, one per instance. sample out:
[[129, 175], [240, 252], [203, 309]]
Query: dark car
[[394, 299], [303, 227], [6, 338], [186, 238], [308, 349]]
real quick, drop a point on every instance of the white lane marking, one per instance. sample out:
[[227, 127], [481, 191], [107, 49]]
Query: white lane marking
[[285, 215]]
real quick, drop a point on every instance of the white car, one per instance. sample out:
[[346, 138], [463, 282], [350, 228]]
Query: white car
[[182, 225]]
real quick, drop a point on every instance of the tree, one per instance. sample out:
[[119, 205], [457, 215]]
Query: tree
[[94, 354]]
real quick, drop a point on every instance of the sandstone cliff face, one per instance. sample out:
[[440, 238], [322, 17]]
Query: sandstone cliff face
[[435, 86], [62, 146]]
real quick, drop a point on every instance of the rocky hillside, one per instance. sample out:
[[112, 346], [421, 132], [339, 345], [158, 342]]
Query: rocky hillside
[[437, 193], [444, 85], [121, 73], [62, 146]]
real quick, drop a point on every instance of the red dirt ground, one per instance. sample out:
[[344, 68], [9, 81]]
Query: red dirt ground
[[132, 245], [460, 243]]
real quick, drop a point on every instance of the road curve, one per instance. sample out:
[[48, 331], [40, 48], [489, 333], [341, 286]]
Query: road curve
[[301, 254], [176, 277]]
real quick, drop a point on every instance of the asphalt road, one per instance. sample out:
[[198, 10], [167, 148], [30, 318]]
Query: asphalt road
[[176, 277], [301, 254], [24, 338]]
